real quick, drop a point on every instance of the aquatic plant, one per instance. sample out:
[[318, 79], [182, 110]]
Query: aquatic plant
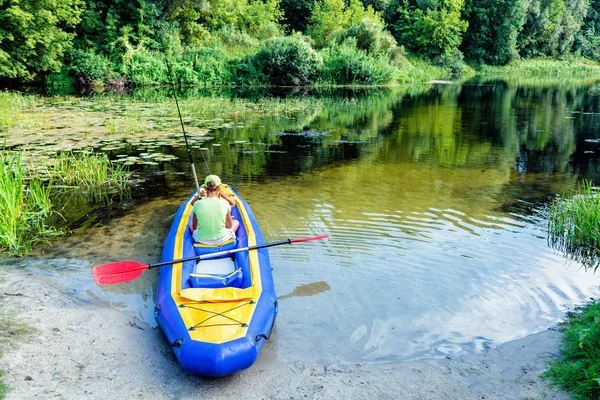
[[93, 173], [578, 370], [12, 105], [573, 222], [25, 205]]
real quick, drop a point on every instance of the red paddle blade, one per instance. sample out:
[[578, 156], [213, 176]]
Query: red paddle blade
[[119, 272], [308, 239]]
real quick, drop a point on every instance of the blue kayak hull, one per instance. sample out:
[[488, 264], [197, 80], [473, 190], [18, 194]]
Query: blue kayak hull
[[216, 332]]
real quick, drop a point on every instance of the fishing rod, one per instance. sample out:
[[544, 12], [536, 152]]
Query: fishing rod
[[183, 129]]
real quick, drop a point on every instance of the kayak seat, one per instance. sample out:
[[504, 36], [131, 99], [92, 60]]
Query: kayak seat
[[217, 273], [202, 249]]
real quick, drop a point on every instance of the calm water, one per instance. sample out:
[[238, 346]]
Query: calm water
[[433, 196]]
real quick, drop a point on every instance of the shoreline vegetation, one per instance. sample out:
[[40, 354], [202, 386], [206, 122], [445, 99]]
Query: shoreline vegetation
[[578, 369], [573, 227], [573, 224], [94, 44], [31, 195]]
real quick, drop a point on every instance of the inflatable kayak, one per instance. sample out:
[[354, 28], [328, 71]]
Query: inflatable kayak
[[216, 313]]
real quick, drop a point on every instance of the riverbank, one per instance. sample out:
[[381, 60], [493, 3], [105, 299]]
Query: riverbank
[[83, 349]]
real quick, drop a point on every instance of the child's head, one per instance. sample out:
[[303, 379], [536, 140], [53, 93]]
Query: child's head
[[212, 183]]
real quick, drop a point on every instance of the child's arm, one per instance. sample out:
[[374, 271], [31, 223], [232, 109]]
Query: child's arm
[[227, 198]]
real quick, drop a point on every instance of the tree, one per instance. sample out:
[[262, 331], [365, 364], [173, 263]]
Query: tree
[[330, 16], [543, 18], [296, 13], [494, 26], [35, 35], [587, 40], [432, 27], [198, 19]]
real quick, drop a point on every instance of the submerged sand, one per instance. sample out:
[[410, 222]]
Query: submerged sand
[[84, 350]]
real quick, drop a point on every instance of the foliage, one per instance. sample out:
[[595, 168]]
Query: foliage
[[452, 60], [26, 193], [578, 370], [573, 221], [494, 26], [289, 61], [296, 14], [93, 65], [369, 36], [331, 15], [430, 28], [542, 22], [12, 106], [35, 35], [145, 67], [589, 44], [258, 18], [543, 66], [25, 205], [348, 65], [108, 27], [86, 171]]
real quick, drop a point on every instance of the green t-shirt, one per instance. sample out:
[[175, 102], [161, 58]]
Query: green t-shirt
[[211, 213]]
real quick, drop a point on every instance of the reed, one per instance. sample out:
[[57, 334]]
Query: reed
[[542, 66], [12, 106], [25, 205], [573, 221], [578, 370], [87, 171]]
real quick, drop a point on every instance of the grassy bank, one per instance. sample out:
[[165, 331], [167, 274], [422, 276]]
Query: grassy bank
[[27, 192], [334, 71], [542, 66], [573, 222], [578, 370]]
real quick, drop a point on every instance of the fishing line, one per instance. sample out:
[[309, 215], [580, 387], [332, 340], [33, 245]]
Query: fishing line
[[183, 129]]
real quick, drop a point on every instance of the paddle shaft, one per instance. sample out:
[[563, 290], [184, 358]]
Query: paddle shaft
[[228, 252]]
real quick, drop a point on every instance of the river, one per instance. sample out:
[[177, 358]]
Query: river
[[434, 196]]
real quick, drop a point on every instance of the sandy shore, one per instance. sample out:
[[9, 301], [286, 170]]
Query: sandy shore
[[83, 350]]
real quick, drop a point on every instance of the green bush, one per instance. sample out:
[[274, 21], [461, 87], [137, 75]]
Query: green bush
[[369, 36], [589, 44], [347, 65], [145, 67], [233, 37], [453, 60], [288, 61], [92, 65], [209, 65]]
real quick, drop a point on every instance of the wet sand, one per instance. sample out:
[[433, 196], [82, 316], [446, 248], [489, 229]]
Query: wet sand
[[84, 350]]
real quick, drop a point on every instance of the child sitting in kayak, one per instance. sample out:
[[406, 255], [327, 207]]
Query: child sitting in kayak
[[212, 223]]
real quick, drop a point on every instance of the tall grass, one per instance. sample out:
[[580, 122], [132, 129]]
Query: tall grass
[[12, 106], [26, 199], [25, 206], [87, 171], [543, 66], [574, 222], [579, 368]]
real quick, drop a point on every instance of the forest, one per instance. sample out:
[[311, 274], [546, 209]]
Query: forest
[[283, 42]]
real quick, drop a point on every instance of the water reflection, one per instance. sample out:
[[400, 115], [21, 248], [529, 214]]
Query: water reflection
[[432, 195]]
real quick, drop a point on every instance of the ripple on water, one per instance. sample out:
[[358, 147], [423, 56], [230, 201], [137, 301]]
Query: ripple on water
[[407, 285]]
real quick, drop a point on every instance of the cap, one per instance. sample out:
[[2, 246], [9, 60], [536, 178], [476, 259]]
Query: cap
[[212, 178]]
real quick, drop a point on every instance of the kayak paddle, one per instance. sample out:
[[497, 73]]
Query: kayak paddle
[[125, 271]]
